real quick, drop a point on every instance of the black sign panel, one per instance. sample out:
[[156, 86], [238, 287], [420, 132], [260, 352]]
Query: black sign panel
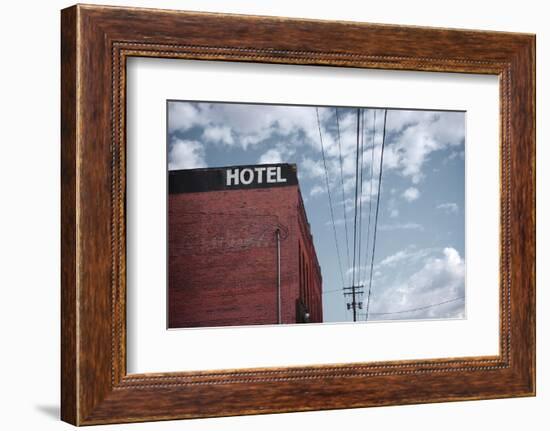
[[231, 178]]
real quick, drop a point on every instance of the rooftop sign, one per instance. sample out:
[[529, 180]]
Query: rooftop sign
[[232, 177]]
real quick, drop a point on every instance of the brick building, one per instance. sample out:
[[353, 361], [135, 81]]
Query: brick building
[[240, 248]]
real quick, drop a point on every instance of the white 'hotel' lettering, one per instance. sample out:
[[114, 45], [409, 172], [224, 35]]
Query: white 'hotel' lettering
[[279, 178], [246, 176], [232, 175], [250, 178], [260, 171], [271, 173]]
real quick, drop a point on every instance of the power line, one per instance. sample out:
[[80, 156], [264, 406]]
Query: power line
[[332, 291], [329, 197], [371, 181], [342, 182], [391, 312], [355, 218], [418, 308], [376, 216], [359, 248]]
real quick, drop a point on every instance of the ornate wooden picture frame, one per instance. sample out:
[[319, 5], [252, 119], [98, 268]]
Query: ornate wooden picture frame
[[96, 41]]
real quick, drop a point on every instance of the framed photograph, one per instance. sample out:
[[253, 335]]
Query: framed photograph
[[264, 215], [259, 201]]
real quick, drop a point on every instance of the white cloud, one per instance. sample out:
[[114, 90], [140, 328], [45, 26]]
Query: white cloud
[[394, 258], [271, 156], [411, 194], [421, 133], [407, 255], [246, 125], [448, 207], [185, 154], [446, 272], [401, 226], [311, 168], [394, 213], [220, 134], [183, 116], [316, 191], [454, 155], [439, 280], [412, 136]]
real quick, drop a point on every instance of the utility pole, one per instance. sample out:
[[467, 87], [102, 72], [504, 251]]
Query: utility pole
[[354, 291]]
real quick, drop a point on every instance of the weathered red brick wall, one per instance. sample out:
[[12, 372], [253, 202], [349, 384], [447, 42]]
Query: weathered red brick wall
[[309, 271], [223, 257]]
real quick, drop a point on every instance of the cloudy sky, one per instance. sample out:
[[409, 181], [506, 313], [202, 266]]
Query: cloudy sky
[[419, 263]]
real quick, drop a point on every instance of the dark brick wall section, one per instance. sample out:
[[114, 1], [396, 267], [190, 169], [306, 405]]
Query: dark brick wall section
[[309, 271], [222, 267]]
